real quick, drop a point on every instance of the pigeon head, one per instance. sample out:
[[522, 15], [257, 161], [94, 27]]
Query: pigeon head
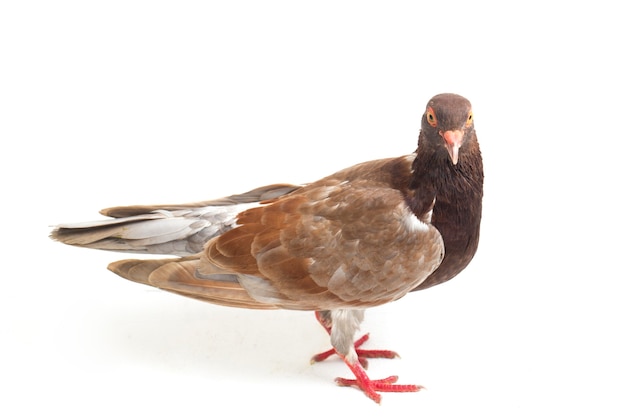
[[447, 125]]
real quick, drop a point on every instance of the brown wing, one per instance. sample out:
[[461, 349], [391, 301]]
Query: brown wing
[[179, 275], [348, 240], [335, 243]]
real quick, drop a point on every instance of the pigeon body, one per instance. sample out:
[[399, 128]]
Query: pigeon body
[[362, 237]]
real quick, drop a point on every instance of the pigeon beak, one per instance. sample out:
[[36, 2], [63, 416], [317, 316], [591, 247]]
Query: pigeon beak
[[454, 140]]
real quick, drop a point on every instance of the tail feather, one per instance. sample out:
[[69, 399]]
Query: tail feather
[[144, 229], [179, 276], [137, 270], [181, 233], [266, 193], [179, 230], [159, 235]]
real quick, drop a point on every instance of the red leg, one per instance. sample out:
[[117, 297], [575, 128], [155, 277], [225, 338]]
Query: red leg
[[362, 353], [371, 386], [362, 381]]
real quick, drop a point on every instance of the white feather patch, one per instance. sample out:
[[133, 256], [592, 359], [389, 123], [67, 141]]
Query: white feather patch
[[345, 324], [260, 289], [411, 222]]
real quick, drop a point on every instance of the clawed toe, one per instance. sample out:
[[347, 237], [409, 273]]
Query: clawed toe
[[371, 387], [356, 360], [363, 354]]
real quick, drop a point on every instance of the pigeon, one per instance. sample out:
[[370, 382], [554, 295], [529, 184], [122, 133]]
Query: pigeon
[[359, 238]]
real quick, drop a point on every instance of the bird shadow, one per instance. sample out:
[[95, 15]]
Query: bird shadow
[[198, 338]]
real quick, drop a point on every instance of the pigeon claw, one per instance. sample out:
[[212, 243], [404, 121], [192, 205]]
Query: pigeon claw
[[363, 354], [371, 387]]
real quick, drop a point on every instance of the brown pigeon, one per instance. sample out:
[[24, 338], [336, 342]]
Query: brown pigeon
[[359, 238]]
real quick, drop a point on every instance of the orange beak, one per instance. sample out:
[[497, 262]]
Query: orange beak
[[454, 140]]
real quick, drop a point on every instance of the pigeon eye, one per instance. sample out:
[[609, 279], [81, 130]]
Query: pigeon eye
[[470, 119], [430, 117]]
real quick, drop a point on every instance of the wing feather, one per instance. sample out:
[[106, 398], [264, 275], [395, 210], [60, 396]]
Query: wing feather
[[346, 241], [342, 241]]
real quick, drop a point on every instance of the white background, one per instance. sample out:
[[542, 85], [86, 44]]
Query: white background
[[125, 102]]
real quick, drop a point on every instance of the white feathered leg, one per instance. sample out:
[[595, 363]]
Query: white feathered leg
[[342, 326]]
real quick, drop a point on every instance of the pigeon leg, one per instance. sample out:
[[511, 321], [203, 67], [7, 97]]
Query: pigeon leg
[[371, 387], [349, 353], [361, 353]]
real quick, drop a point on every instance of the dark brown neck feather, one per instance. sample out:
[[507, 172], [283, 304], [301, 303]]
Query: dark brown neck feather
[[458, 192]]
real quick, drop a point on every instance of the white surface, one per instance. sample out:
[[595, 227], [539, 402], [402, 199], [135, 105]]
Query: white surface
[[154, 102]]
